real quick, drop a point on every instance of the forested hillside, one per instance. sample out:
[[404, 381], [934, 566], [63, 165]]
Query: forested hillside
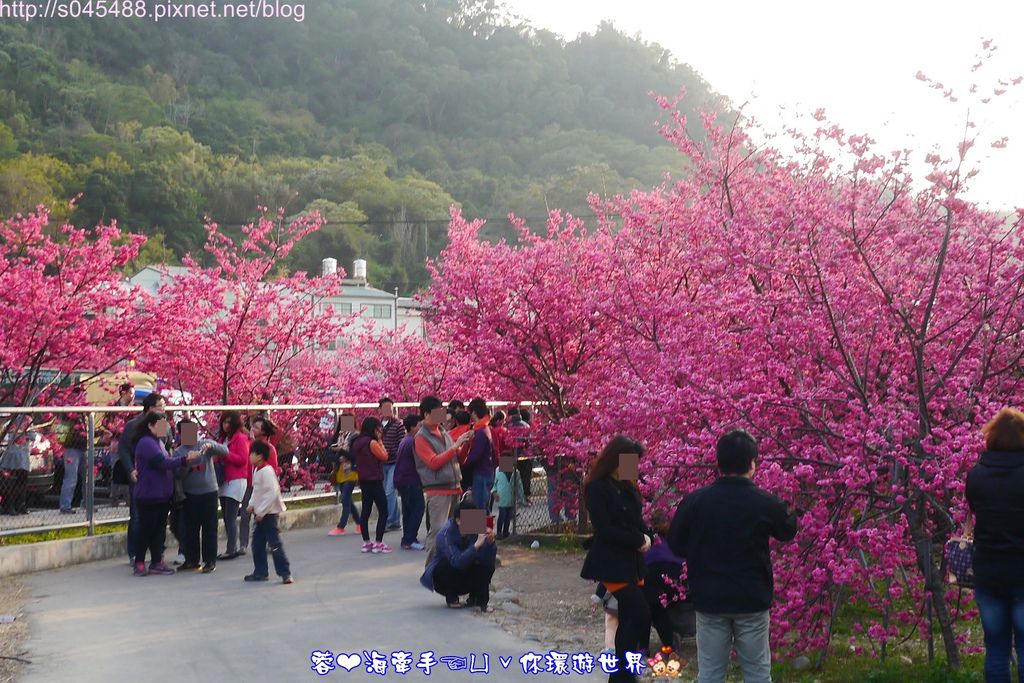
[[380, 113]]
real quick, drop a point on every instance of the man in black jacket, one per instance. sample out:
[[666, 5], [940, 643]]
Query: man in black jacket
[[722, 530]]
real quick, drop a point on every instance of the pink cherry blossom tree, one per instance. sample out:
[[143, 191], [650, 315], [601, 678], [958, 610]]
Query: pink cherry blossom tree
[[63, 306], [235, 331], [861, 323]]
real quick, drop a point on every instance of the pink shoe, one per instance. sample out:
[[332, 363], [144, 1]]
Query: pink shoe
[[382, 548], [359, 529], [336, 532], [368, 547]]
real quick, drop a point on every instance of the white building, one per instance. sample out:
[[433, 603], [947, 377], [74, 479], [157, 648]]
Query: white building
[[377, 310]]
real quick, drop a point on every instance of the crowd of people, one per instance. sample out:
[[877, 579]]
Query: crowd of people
[[408, 470], [443, 465], [178, 478], [722, 533]]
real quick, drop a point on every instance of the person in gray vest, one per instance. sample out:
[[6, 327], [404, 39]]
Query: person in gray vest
[[199, 479], [438, 467]]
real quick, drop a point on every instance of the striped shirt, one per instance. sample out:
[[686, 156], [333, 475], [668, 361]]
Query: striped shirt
[[394, 432]]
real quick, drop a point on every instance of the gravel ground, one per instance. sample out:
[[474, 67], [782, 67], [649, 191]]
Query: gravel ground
[[547, 602], [12, 636]]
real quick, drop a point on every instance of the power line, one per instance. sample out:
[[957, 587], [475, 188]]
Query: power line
[[535, 219]]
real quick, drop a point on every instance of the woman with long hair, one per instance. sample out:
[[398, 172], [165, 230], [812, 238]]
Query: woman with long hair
[[615, 551], [995, 493], [370, 456], [236, 476]]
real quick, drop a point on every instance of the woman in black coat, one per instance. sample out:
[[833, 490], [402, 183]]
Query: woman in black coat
[[615, 552], [995, 493]]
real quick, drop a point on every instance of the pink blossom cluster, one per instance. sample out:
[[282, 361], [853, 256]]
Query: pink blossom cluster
[[861, 325]]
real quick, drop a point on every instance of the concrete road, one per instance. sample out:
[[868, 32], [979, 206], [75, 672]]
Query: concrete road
[[98, 623]]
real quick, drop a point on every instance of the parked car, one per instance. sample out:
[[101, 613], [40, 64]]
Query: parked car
[[41, 465], [40, 479]]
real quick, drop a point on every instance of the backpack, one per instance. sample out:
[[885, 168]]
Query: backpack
[[348, 454]]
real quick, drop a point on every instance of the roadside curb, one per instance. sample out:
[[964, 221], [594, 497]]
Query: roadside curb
[[45, 555]]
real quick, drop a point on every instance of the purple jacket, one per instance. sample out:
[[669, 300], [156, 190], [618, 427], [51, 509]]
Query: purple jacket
[[661, 552], [155, 484], [405, 465], [481, 456]]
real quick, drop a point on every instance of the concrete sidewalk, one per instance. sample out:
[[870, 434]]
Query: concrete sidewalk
[[97, 623]]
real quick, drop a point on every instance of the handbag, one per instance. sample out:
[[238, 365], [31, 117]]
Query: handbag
[[960, 558]]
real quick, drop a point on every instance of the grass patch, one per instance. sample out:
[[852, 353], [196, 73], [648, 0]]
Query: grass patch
[[896, 669], [82, 532], [61, 534], [550, 543], [323, 501]]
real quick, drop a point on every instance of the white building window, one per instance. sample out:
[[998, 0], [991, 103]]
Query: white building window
[[380, 311]]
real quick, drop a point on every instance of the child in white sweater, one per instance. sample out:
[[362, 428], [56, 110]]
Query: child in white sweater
[[265, 505]]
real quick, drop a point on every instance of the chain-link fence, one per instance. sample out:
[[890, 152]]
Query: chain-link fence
[[48, 481], [51, 479], [552, 492]]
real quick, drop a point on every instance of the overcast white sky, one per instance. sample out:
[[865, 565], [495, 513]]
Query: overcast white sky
[[858, 60]]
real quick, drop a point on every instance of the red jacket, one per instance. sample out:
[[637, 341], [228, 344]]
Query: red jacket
[[272, 460], [455, 434], [502, 439], [236, 462]]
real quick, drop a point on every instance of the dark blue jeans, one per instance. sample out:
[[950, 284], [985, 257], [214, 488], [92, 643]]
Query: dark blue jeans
[[133, 523], [263, 533], [1002, 619], [347, 506], [413, 508], [504, 521], [482, 483]]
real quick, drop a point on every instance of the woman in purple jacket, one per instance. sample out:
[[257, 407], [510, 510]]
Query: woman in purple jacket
[[153, 491]]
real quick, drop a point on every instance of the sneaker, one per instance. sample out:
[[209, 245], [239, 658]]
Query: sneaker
[[415, 545], [180, 559], [382, 548], [209, 568], [287, 580], [242, 551], [68, 512], [255, 577], [393, 527], [368, 547], [359, 529], [161, 569], [336, 532], [140, 569], [189, 567]]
